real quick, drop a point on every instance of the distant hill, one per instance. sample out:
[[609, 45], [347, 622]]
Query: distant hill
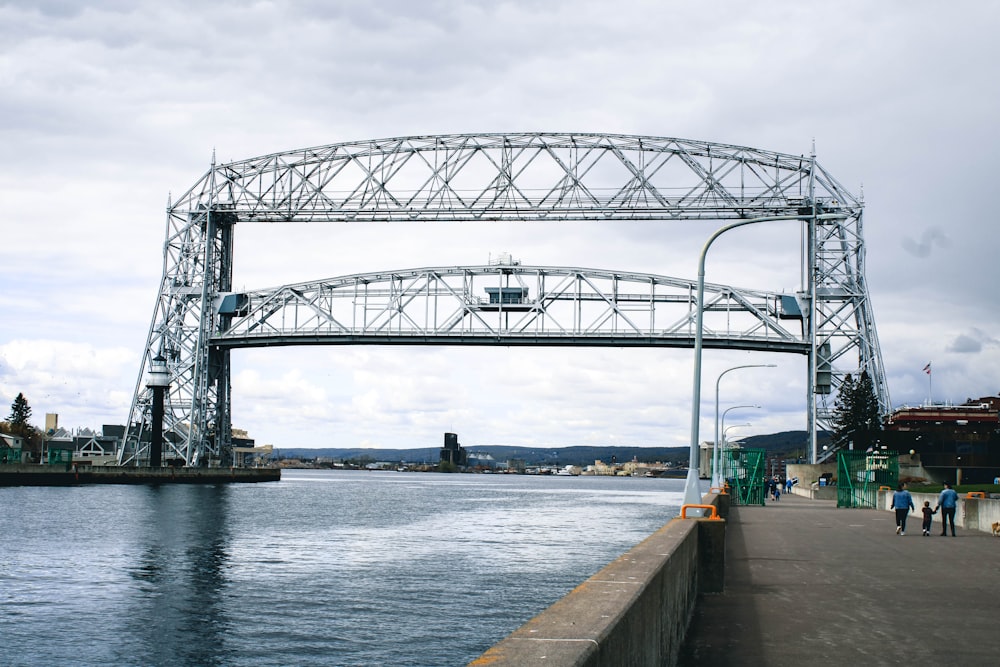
[[789, 444]]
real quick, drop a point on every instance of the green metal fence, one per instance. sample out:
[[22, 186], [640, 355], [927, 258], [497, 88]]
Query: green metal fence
[[60, 457], [743, 470], [10, 455], [860, 474]]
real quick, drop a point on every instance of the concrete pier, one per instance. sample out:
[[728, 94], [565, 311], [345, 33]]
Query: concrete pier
[[34, 475], [807, 583]]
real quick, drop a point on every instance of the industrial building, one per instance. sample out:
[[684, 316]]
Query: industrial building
[[954, 443]]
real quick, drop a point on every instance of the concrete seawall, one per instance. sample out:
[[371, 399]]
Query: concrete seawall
[[638, 606], [34, 475]]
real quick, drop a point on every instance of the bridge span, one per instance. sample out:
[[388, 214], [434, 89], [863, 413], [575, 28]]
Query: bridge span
[[508, 304], [532, 177]]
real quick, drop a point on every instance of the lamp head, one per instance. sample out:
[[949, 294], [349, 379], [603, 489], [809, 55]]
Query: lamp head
[[159, 375]]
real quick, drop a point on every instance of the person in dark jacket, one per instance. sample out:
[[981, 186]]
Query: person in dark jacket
[[928, 517]]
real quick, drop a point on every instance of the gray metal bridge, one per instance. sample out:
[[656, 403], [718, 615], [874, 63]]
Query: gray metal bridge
[[508, 304], [535, 177]]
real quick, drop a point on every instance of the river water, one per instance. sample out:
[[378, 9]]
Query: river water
[[321, 568]]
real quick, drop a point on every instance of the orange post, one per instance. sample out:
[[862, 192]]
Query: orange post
[[713, 515]]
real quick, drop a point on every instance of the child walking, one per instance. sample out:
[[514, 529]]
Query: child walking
[[928, 514]]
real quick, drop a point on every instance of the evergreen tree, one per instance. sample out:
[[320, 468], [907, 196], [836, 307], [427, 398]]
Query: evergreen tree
[[866, 404], [843, 410], [20, 413], [856, 412]]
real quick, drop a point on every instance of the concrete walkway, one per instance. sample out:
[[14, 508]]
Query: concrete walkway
[[807, 583]]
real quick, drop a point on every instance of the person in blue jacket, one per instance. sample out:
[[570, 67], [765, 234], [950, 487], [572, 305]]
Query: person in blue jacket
[[902, 502], [948, 503]]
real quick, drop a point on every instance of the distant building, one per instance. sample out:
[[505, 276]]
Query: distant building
[[636, 468], [957, 443], [452, 452], [516, 465], [481, 460], [777, 467], [602, 468], [11, 448]]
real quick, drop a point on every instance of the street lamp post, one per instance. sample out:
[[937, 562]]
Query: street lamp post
[[717, 480], [692, 494], [725, 438], [734, 408], [715, 460]]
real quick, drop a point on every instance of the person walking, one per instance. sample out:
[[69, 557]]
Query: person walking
[[928, 517], [947, 503], [902, 502]]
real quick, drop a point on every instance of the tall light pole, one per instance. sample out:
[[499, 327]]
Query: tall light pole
[[734, 408], [692, 494], [726, 430], [716, 478]]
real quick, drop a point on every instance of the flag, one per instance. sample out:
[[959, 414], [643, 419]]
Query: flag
[[927, 368]]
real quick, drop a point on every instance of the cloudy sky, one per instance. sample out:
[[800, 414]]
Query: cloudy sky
[[108, 107]]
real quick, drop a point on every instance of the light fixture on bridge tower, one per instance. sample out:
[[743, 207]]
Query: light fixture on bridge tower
[[158, 380]]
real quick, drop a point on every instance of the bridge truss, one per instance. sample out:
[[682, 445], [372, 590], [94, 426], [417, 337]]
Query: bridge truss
[[510, 305], [198, 318]]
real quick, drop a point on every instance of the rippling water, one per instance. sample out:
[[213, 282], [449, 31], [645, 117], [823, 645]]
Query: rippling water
[[322, 568]]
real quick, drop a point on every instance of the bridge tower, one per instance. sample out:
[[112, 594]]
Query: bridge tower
[[554, 177]]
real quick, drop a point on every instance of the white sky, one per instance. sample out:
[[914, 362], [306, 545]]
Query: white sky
[[107, 107]]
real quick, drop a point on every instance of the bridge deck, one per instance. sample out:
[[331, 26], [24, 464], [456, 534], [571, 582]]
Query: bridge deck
[[807, 582]]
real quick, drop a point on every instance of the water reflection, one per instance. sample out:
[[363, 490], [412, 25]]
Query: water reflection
[[178, 613], [323, 568]]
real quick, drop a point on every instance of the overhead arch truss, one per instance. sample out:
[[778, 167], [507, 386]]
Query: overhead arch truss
[[540, 177]]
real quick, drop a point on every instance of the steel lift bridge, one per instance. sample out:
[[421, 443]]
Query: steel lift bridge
[[199, 319]]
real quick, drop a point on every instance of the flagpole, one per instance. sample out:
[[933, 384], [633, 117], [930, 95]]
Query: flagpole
[[930, 384]]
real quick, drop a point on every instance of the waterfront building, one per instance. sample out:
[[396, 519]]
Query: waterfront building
[[955, 443], [452, 452], [11, 448]]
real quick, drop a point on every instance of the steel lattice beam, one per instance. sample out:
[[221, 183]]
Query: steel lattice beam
[[527, 176], [552, 306]]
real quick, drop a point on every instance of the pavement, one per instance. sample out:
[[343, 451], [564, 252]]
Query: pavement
[[808, 583]]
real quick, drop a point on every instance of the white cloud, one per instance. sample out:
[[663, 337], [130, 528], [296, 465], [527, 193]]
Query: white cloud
[[86, 385], [109, 106]]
